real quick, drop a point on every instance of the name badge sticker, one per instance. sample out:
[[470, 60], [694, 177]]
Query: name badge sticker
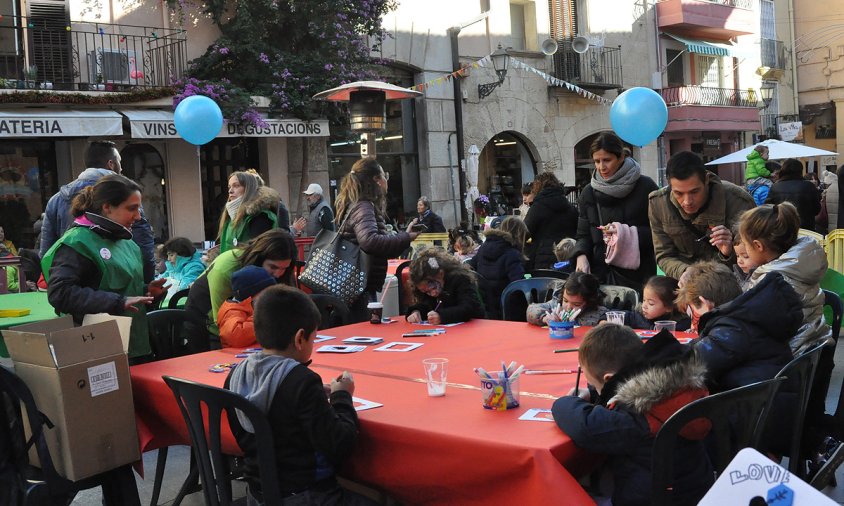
[[105, 253]]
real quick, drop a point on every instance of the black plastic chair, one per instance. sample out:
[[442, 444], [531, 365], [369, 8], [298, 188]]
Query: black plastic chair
[[801, 374], [177, 297], [737, 417], [334, 312], [620, 297], [549, 273], [43, 485], [832, 300], [533, 290], [200, 403]]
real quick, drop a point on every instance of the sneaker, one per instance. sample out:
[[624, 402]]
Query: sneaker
[[826, 464]]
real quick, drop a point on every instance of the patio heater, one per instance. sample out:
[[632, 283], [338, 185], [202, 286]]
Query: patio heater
[[367, 107]]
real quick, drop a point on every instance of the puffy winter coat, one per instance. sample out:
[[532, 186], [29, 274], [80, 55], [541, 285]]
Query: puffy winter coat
[[57, 220], [631, 210], [458, 302], [803, 266], [803, 194], [260, 215], [675, 245], [550, 219], [186, 270], [237, 329], [499, 261], [364, 226], [630, 411], [755, 166]]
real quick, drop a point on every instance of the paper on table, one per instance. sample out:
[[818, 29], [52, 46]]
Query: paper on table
[[320, 338], [398, 346], [363, 404], [363, 340], [537, 415], [425, 322], [124, 325], [340, 348]]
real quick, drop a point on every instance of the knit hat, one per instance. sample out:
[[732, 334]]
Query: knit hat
[[250, 280]]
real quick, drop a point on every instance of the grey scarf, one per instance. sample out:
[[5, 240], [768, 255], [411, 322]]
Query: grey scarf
[[620, 184]]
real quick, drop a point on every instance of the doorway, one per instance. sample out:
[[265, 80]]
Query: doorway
[[144, 164], [504, 165]]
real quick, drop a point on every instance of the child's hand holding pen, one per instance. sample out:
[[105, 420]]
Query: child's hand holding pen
[[433, 316], [721, 237], [344, 382]]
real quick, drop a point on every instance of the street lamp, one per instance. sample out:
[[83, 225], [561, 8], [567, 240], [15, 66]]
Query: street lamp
[[767, 93], [500, 59], [367, 107]]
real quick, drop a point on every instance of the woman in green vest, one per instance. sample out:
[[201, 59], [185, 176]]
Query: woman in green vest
[[251, 210], [95, 267]]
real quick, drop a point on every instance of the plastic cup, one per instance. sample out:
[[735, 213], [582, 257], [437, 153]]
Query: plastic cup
[[561, 330], [669, 325], [436, 370], [376, 309], [616, 317], [500, 394]]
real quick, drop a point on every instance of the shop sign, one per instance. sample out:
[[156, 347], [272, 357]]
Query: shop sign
[[60, 124], [791, 131], [159, 127]]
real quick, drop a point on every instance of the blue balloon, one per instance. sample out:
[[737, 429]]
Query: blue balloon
[[198, 119], [639, 116]]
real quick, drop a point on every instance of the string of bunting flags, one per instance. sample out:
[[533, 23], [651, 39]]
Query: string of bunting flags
[[559, 82], [516, 64]]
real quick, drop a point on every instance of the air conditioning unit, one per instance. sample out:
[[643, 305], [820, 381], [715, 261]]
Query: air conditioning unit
[[115, 65]]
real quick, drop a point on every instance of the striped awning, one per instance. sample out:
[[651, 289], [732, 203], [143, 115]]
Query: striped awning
[[710, 48]]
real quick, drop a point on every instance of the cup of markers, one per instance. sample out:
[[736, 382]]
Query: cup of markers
[[563, 329], [500, 389]]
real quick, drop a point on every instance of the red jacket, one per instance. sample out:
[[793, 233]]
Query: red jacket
[[235, 322]]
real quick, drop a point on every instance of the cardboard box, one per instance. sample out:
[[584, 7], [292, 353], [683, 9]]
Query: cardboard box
[[79, 377]]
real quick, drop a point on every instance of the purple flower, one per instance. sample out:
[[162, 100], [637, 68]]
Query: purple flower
[[223, 50], [264, 58], [328, 66]]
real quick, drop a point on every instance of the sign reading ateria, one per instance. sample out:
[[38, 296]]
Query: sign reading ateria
[[159, 125], [45, 123]]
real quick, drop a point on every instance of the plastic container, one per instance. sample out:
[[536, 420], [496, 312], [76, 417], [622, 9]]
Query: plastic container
[[561, 330], [500, 394]]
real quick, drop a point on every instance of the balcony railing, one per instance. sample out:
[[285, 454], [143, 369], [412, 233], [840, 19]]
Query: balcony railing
[[45, 54], [773, 54], [703, 95], [769, 124], [598, 67], [743, 4]]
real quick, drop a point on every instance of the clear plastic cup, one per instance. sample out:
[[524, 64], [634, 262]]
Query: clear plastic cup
[[669, 325], [500, 394], [436, 370], [616, 317]]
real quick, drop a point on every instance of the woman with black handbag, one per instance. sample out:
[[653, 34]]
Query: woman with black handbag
[[361, 210]]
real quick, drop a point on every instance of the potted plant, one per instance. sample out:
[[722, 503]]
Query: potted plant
[[100, 85], [30, 74]]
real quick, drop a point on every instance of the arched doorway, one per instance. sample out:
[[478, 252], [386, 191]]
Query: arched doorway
[[143, 164], [505, 163]]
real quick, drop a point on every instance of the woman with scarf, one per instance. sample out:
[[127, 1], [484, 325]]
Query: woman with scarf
[[251, 210], [95, 267], [613, 233]]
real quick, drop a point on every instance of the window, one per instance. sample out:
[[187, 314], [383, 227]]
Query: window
[[674, 73], [523, 25], [517, 26], [27, 181], [708, 71]]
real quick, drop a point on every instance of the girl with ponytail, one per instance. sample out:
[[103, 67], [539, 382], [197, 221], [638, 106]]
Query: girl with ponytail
[[95, 266], [361, 210]]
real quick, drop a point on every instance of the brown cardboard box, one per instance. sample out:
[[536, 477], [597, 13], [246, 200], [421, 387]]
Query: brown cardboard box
[[79, 377]]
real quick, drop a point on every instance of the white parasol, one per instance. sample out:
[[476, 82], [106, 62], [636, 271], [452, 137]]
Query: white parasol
[[472, 177], [777, 150]]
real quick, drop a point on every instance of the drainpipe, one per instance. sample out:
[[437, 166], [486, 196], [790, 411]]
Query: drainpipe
[[454, 196], [794, 94], [453, 32], [660, 142]]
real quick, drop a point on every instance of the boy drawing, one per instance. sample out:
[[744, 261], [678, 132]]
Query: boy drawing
[[633, 389], [313, 434]]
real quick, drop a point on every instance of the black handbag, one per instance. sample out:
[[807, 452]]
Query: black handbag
[[336, 266]]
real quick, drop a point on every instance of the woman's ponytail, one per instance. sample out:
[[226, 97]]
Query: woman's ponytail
[[776, 226], [83, 202]]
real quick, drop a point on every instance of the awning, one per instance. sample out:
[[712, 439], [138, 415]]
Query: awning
[[152, 124], [53, 123], [711, 48]]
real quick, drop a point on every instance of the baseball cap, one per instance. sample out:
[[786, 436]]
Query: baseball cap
[[313, 188]]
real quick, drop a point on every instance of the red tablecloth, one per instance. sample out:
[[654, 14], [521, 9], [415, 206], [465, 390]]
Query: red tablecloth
[[425, 450]]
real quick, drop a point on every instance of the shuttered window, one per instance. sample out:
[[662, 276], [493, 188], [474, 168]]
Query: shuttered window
[[50, 46]]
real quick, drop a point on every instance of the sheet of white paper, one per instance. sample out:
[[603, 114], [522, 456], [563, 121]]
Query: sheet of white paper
[[363, 340], [320, 338], [124, 325], [363, 404], [425, 322], [399, 346], [750, 474], [537, 415], [340, 348]]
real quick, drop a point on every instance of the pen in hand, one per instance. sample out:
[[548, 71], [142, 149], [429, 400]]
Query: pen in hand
[[577, 382]]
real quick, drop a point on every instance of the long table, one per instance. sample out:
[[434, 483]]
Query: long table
[[39, 309], [424, 450]]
